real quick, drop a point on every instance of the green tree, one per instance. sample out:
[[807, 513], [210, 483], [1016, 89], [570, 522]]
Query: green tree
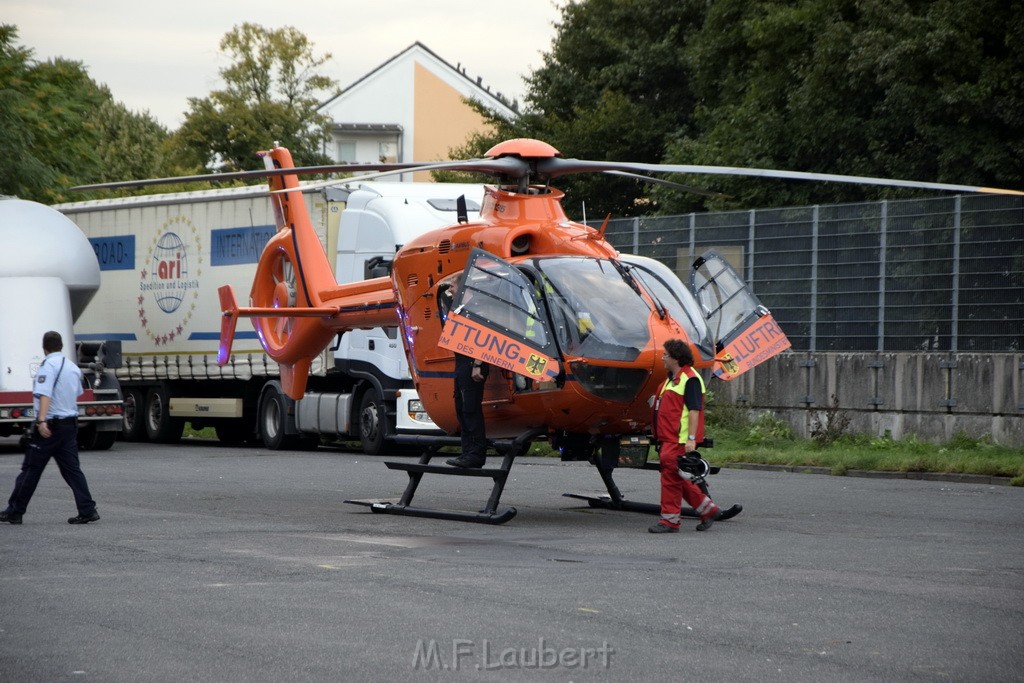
[[916, 89], [132, 145], [50, 136], [927, 90], [271, 94], [613, 87]]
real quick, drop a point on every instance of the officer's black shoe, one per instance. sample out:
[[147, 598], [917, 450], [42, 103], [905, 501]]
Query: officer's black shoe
[[85, 519], [661, 528], [466, 462], [706, 523], [10, 517]]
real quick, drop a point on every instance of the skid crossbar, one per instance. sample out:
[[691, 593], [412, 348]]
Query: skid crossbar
[[614, 500], [508, 449]]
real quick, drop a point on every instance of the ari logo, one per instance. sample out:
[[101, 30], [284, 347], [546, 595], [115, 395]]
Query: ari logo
[[170, 275]]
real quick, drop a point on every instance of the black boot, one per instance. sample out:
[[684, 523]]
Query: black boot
[[466, 462]]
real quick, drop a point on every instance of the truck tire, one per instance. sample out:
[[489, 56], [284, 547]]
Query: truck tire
[[160, 426], [271, 417], [134, 423], [373, 418], [271, 421]]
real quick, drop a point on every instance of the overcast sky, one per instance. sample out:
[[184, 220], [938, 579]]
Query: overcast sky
[[155, 55]]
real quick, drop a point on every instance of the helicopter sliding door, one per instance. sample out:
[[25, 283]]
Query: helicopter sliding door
[[744, 332], [494, 316]]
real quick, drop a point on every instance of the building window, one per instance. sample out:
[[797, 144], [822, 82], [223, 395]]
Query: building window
[[347, 152], [386, 152]]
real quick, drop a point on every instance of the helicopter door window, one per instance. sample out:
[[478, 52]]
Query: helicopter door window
[[502, 297], [495, 316], [596, 311], [726, 301]]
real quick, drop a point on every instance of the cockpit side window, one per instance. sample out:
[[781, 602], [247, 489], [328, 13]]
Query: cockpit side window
[[667, 288], [595, 310]]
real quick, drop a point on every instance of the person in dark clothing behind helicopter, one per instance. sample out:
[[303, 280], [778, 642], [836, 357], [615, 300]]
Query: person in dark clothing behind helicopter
[[470, 376]]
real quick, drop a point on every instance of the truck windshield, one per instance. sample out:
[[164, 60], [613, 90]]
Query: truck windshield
[[595, 312]]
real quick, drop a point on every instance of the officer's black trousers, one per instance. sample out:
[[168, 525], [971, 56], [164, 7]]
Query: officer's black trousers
[[469, 408], [62, 446]]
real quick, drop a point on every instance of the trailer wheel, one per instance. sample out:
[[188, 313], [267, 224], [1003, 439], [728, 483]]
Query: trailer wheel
[[160, 426], [134, 422], [372, 422], [271, 416], [271, 420]]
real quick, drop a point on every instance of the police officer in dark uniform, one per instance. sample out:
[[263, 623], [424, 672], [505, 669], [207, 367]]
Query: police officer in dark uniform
[[470, 375], [55, 397], [469, 399]]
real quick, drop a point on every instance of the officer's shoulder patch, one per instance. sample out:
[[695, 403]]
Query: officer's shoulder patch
[[40, 378]]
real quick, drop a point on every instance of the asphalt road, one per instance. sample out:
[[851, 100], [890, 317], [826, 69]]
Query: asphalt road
[[225, 564]]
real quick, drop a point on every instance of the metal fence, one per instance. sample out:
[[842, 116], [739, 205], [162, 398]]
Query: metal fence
[[944, 274]]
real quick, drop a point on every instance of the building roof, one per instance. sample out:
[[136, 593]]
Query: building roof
[[476, 87]]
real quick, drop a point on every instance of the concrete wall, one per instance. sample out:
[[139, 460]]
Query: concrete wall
[[930, 395]]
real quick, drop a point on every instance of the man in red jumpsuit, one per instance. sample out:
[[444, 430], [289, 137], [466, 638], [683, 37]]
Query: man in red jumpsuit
[[679, 427]]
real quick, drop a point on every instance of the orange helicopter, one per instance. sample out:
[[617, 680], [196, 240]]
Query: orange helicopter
[[574, 329]]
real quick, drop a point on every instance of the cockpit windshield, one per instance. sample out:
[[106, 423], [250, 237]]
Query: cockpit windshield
[[667, 288], [596, 309]]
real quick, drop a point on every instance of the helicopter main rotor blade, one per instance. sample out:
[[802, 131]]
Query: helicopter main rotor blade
[[668, 183], [554, 167], [239, 175], [505, 166]]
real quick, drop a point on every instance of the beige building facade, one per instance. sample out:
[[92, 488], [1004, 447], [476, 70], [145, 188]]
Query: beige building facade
[[410, 108]]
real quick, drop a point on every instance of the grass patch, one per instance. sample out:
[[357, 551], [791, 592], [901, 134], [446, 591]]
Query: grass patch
[[762, 443], [206, 433], [769, 441]]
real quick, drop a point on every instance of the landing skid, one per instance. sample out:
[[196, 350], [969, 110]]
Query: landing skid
[[614, 500], [509, 450]]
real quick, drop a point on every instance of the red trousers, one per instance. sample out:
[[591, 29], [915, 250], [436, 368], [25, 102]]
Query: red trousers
[[675, 488]]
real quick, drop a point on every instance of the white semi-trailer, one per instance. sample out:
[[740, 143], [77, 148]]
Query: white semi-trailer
[[162, 258], [48, 275]]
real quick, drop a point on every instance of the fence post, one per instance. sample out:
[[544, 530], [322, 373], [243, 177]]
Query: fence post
[[814, 279], [636, 235], [750, 249], [693, 239], [955, 319], [883, 228]]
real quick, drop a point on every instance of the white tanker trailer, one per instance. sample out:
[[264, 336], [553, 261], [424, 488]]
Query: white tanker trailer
[[48, 274]]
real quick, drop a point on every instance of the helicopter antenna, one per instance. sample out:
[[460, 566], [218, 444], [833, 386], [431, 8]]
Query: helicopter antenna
[[584, 212], [460, 208]]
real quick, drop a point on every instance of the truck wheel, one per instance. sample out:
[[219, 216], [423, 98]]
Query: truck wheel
[[372, 422], [134, 423], [160, 426], [272, 413], [271, 420]]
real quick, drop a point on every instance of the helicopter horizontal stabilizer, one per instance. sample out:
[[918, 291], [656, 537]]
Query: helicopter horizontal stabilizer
[[229, 308]]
